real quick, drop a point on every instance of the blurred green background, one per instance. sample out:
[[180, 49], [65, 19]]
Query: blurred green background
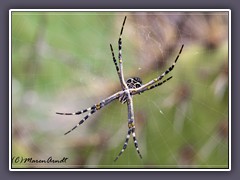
[[61, 62]]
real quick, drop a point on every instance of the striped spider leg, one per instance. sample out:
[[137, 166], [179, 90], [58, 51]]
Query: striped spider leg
[[92, 109], [120, 68], [152, 84], [131, 127]]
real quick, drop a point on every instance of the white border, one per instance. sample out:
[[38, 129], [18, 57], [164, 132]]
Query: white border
[[115, 10]]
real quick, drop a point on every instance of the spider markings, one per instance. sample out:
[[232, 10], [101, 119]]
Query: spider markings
[[114, 59], [121, 76], [92, 110], [130, 88], [134, 82], [120, 42], [159, 84]]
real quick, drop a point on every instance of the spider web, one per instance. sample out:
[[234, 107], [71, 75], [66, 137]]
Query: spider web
[[61, 61]]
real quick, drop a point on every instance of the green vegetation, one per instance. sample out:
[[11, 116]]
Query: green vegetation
[[62, 61]]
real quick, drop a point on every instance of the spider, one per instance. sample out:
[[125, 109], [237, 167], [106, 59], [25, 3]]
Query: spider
[[130, 87]]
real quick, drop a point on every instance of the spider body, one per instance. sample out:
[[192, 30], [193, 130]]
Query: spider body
[[132, 83], [130, 87]]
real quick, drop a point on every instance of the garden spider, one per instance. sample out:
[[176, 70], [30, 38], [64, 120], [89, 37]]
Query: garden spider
[[130, 88]]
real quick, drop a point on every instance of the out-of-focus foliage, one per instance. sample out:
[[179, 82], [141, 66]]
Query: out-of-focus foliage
[[61, 61]]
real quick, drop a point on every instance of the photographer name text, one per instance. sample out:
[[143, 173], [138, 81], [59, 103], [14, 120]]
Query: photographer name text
[[27, 160]]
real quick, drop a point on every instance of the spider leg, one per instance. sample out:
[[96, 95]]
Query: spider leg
[[130, 130], [125, 144], [122, 81], [114, 59], [82, 121], [78, 112], [135, 142], [95, 106], [155, 85], [161, 76], [131, 126], [172, 66], [93, 109], [116, 65]]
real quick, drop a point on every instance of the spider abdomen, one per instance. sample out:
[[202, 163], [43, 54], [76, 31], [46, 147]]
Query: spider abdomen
[[134, 82]]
